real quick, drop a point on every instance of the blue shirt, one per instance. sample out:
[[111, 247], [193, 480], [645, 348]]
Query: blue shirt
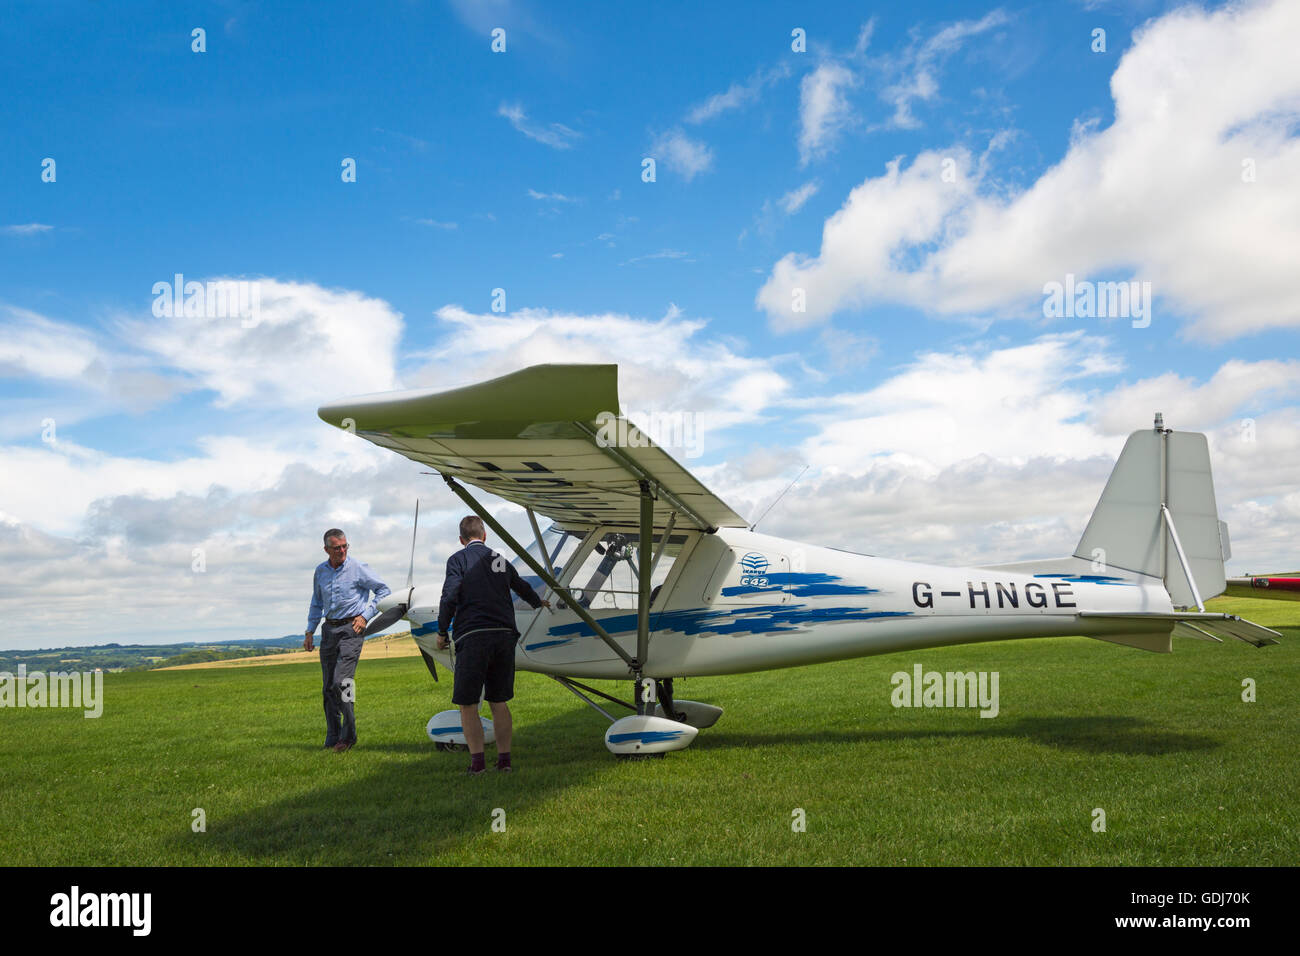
[[343, 592]]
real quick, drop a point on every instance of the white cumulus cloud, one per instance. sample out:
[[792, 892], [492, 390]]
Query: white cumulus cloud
[[304, 338], [1191, 188]]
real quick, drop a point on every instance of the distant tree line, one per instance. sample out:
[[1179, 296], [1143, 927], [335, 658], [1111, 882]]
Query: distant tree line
[[201, 657]]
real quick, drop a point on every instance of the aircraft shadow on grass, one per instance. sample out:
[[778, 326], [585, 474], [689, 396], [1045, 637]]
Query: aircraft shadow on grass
[[406, 813], [1096, 735]]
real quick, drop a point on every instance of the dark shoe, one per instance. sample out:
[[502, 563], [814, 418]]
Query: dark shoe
[[329, 744], [342, 746], [473, 771], [506, 769]]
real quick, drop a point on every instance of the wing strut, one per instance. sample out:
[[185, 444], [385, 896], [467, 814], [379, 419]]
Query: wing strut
[[644, 565], [542, 573]]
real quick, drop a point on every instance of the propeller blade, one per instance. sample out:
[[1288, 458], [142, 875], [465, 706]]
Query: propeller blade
[[410, 572], [387, 619], [428, 662]]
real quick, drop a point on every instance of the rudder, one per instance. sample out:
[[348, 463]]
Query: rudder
[[1159, 496]]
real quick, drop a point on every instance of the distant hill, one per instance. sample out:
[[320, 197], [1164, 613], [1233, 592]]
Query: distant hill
[[205, 656], [126, 657], [389, 645]]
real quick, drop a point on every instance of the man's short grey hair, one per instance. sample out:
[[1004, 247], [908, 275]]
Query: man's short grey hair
[[333, 533]]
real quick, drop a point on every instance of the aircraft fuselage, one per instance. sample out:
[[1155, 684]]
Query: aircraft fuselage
[[737, 601]]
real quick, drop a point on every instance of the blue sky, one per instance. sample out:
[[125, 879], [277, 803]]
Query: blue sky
[[522, 170]]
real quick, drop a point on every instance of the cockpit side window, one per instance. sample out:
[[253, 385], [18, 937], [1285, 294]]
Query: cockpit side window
[[560, 548], [608, 577]]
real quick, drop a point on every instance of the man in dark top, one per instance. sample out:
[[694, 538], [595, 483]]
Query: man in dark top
[[476, 592]]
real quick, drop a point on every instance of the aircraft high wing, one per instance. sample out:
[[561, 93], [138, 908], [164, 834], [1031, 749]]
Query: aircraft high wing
[[549, 438]]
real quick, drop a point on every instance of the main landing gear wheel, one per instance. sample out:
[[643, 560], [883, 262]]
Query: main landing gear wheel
[[448, 736], [643, 735], [647, 734]]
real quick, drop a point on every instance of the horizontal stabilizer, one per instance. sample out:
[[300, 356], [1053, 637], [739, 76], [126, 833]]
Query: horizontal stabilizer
[[1208, 623], [1156, 643], [1188, 629]]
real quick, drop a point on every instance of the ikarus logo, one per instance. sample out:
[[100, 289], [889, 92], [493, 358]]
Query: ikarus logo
[[753, 570]]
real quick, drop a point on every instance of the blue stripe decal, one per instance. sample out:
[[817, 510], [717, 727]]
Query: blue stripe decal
[[541, 644], [759, 619], [1090, 579], [800, 584], [646, 736], [448, 730]]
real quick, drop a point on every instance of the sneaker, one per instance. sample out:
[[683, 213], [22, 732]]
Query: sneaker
[[473, 772]]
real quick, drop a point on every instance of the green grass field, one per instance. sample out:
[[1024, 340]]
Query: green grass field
[[1186, 772]]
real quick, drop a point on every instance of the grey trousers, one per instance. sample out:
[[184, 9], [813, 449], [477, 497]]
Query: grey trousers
[[340, 649]]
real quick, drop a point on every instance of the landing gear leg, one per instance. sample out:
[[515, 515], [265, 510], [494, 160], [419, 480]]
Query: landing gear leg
[[664, 690], [646, 734]]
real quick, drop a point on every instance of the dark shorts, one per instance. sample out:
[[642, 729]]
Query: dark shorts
[[485, 665]]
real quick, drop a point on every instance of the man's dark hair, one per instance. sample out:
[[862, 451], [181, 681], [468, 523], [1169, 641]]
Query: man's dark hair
[[471, 527], [333, 533]]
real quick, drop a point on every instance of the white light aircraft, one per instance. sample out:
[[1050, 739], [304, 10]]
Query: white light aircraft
[[652, 577]]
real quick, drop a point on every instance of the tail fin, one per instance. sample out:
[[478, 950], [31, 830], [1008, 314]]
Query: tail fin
[[1157, 516]]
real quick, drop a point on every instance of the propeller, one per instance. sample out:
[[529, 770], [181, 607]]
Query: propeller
[[395, 613]]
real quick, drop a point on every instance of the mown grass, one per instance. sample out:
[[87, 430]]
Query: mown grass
[[1186, 772]]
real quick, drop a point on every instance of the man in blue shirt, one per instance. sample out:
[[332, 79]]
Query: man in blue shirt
[[476, 593], [341, 593]]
